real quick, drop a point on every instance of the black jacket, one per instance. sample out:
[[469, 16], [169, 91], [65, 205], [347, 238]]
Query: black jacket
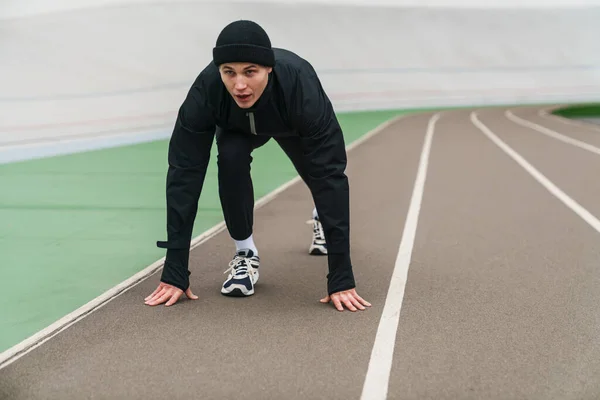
[[293, 104]]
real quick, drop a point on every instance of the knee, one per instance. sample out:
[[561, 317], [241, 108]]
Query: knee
[[233, 158]]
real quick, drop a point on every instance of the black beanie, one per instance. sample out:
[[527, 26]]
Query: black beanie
[[244, 41]]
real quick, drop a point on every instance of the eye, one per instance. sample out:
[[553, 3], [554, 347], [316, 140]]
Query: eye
[[250, 72]]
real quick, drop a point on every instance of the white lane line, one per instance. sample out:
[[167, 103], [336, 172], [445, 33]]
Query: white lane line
[[546, 115], [380, 365], [547, 183], [551, 133], [19, 350]]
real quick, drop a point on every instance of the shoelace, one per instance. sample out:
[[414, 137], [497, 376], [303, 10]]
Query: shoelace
[[239, 264], [317, 229]]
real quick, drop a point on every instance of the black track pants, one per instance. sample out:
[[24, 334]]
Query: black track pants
[[236, 191]]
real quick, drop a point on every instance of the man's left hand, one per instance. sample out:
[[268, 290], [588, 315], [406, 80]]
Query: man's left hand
[[348, 298]]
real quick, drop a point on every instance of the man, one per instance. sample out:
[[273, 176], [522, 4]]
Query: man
[[249, 94]]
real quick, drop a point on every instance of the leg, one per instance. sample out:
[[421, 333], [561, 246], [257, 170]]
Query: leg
[[292, 148], [237, 200], [236, 192]]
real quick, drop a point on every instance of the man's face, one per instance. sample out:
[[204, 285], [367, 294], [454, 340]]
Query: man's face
[[245, 81]]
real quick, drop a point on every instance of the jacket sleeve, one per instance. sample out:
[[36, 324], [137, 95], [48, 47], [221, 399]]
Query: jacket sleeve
[[188, 157], [325, 155]]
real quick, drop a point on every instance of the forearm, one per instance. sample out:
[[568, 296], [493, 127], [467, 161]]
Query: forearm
[[326, 152], [184, 186], [331, 196]]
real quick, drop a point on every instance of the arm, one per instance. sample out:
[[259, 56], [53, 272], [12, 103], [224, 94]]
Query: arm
[[188, 157], [326, 160]]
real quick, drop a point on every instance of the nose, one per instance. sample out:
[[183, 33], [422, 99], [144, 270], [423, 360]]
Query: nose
[[240, 83]]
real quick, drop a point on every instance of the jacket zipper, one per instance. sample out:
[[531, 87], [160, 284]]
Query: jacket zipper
[[252, 124]]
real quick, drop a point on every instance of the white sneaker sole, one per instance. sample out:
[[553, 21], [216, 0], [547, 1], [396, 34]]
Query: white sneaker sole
[[317, 250], [236, 290]]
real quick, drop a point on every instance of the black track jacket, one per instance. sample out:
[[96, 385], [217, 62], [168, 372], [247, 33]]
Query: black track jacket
[[293, 104]]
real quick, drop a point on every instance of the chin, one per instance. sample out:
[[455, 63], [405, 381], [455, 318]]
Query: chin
[[245, 105]]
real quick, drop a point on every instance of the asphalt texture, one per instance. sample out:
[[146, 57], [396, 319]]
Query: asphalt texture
[[501, 301]]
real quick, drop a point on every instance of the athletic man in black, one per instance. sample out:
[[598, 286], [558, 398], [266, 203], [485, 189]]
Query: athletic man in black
[[250, 93]]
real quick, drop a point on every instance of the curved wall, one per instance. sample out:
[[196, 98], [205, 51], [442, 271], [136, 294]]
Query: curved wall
[[123, 69]]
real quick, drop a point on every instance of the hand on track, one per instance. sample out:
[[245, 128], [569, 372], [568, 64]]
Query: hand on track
[[348, 298], [168, 293]]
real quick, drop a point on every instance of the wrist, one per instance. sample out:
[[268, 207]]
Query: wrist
[[175, 271], [341, 276]]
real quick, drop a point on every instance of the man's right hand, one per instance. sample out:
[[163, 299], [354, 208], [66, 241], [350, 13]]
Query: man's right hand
[[168, 293]]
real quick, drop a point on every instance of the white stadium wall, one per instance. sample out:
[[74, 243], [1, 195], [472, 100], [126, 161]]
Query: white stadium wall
[[20, 8], [100, 67]]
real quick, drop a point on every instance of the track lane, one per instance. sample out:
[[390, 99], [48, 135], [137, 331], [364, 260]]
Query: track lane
[[573, 169], [588, 133], [502, 294]]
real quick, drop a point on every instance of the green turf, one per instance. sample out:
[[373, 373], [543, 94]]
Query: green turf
[[74, 226], [579, 111]]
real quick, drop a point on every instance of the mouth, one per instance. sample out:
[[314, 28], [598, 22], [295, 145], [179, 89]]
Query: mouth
[[243, 97]]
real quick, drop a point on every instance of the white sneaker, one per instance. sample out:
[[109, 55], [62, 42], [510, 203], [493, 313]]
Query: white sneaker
[[243, 275], [318, 247]]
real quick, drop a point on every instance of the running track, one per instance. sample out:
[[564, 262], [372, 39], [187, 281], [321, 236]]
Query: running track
[[475, 235]]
